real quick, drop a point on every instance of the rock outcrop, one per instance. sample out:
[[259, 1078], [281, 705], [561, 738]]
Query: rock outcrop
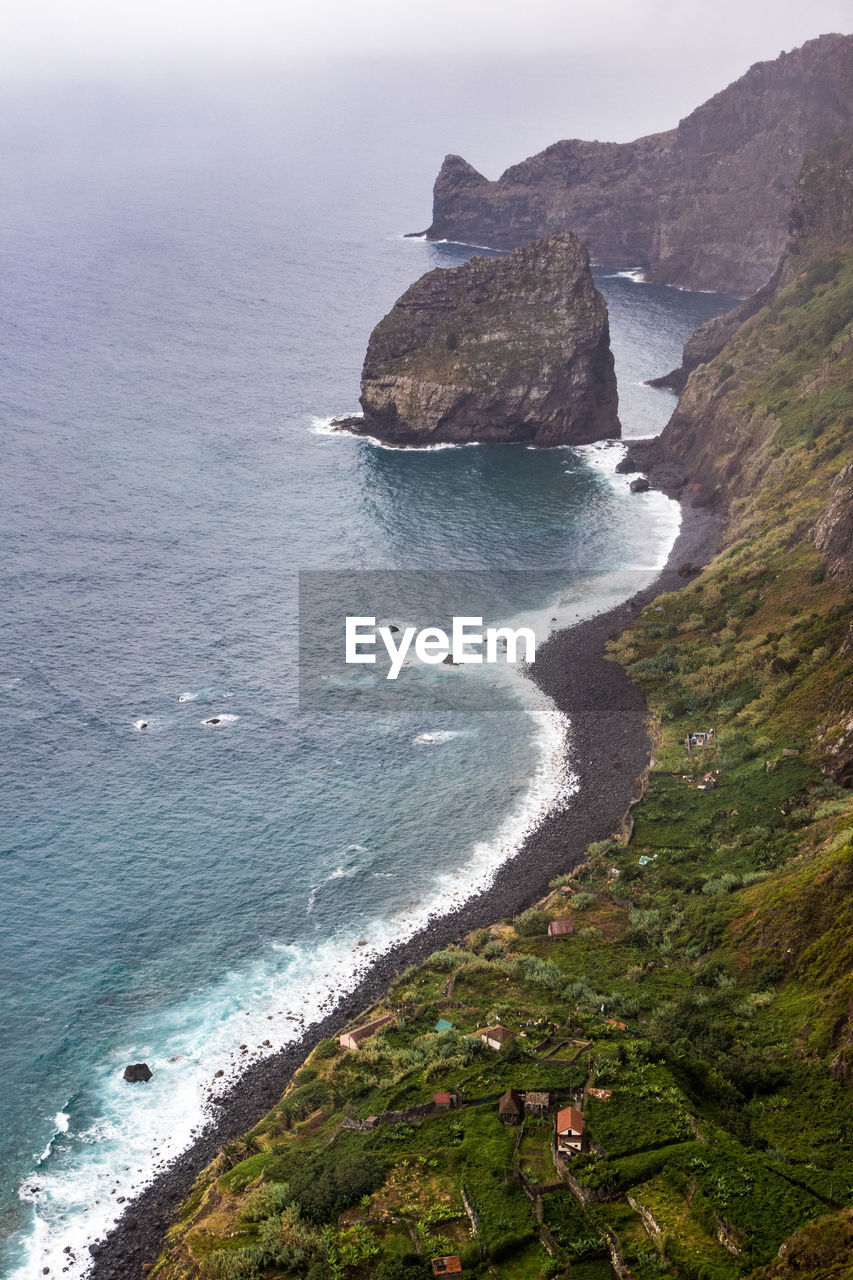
[[833, 534], [704, 205], [506, 349], [137, 1073]]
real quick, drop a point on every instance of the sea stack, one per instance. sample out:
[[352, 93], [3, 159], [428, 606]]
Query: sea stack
[[506, 349]]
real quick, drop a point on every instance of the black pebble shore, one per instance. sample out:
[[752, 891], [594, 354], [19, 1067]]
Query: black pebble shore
[[609, 752]]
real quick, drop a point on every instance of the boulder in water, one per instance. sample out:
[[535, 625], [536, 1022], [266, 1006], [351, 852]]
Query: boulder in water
[[138, 1073]]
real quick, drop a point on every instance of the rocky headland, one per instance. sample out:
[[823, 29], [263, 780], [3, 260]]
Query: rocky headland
[[704, 205], [506, 349]]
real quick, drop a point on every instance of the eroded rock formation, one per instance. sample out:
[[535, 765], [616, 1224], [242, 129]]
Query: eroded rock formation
[[506, 349]]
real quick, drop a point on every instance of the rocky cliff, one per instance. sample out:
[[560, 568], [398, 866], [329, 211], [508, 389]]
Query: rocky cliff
[[504, 349], [821, 220], [764, 429], [773, 375], [704, 205]]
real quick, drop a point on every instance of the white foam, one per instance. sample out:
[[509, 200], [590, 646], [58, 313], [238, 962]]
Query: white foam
[[436, 736], [661, 515], [141, 725], [328, 427], [637, 274], [333, 427], [215, 722], [60, 1125], [187, 697], [463, 244]]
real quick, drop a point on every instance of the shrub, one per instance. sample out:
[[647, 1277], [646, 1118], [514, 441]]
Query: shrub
[[581, 901], [599, 847], [265, 1201], [230, 1265], [541, 973], [722, 884], [531, 922], [409, 1267], [493, 949], [328, 1183], [326, 1049], [447, 961]]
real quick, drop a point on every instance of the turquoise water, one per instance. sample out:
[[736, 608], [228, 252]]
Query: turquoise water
[[188, 290]]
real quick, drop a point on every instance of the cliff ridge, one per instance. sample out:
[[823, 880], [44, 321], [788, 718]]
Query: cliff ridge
[[704, 205]]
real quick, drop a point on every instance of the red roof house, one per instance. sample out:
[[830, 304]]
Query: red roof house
[[570, 1131]]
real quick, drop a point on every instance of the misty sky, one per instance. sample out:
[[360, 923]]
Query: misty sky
[[45, 35], [496, 80]]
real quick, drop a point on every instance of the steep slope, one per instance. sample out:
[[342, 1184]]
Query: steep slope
[[500, 349], [704, 205], [821, 221]]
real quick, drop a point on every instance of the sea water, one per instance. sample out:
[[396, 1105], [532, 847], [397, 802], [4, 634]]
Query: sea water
[[190, 278]]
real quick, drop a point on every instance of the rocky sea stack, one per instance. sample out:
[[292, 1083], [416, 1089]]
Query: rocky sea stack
[[504, 349]]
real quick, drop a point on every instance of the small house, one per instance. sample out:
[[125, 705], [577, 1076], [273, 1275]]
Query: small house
[[510, 1107], [559, 928], [496, 1037], [451, 1266], [537, 1103], [352, 1039], [443, 1025], [444, 1101], [570, 1131]]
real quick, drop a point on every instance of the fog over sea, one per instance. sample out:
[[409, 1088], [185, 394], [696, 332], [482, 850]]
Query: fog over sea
[[190, 275]]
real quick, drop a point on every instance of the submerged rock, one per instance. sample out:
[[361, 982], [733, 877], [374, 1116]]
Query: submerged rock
[[138, 1073], [504, 349]]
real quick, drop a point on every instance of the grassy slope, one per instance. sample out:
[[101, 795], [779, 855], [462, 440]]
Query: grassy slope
[[727, 955]]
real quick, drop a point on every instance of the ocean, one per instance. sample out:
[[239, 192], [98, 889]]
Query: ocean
[[191, 273]]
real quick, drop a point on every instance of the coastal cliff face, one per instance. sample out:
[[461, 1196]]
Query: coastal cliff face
[[764, 430], [704, 205], [821, 220], [781, 379], [500, 349]]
